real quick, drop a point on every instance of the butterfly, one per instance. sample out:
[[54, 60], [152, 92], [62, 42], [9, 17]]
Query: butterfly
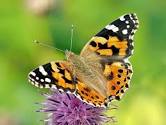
[[102, 71]]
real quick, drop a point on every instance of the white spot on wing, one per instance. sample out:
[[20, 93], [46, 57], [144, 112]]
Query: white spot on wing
[[109, 27], [42, 80], [36, 84], [124, 31], [134, 31], [131, 37], [42, 70], [61, 90], [126, 60], [47, 80], [134, 21], [127, 22], [122, 18], [112, 27], [33, 73], [115, 29], [137, 21], [32, 83], [47, 86], [54, 86], [31, 79], [41, 86], [67, 91]]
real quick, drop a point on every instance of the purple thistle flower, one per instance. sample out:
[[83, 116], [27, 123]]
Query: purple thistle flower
[[66, 109]]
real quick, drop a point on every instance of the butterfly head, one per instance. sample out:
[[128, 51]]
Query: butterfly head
[[69, 54]]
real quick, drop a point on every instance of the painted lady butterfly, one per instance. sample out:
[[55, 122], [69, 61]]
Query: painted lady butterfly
[[101, 73]]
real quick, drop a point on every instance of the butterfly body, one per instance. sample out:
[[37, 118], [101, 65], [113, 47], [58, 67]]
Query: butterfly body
[[87, 73], [102, 71]]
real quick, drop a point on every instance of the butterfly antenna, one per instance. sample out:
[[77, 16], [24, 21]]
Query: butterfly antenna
[[71, 39], [47, 45]]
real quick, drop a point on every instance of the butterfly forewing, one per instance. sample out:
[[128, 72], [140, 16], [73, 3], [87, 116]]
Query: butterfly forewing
[[115, 40], [53, 75]]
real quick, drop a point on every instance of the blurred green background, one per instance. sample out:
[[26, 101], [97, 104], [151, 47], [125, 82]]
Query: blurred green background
[[22, 21]]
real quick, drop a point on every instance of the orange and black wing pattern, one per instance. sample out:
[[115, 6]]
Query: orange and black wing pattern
[[118, 76], [53, 75], [56, 75], [115, 40], [90, 96], [113, 45]]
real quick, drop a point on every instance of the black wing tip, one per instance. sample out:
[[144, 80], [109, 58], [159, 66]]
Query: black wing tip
[[134, 18], [40, 77]]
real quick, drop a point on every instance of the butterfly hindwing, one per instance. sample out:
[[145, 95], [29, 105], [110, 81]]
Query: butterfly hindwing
[[115, 40], [118, 75], [53, 75], [89, 95]]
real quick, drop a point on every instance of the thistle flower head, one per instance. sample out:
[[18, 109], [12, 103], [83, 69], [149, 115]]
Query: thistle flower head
[[66, 109]]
